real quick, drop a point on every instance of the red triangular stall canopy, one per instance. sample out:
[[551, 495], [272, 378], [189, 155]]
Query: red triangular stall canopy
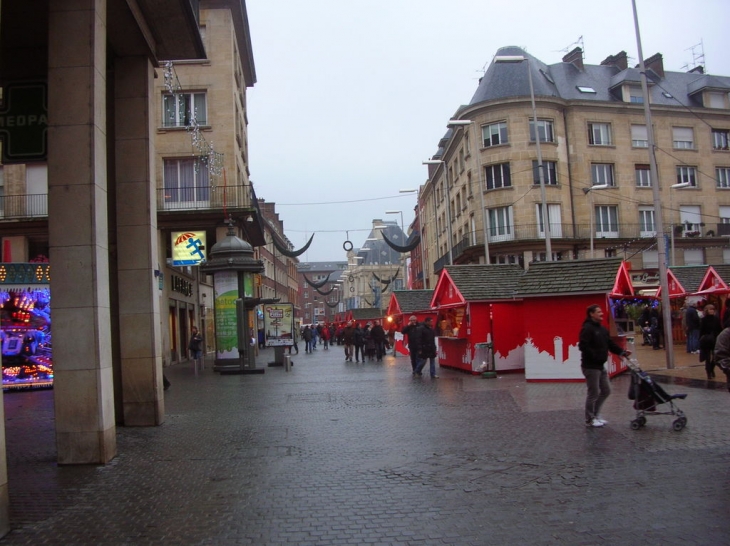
[[622, 285], [446, 293], [713, 283], [393, 306], [676, 290]]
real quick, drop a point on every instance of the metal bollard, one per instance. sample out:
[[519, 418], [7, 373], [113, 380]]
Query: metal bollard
[[287, 363]]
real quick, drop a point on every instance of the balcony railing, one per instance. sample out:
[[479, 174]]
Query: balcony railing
[[24, 206], [204, 197]]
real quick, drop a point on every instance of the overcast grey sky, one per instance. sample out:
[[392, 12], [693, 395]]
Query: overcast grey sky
[[352, 95]]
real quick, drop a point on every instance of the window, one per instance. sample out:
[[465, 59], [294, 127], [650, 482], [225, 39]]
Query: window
[[720, 139], [180, 109], [687, 174], [716, 100], [585, 89], [602, 173], [636, 95], [694, 256], [553, 213], [186, 183], [639, 137], [722, 175], [494, 134], [643, 176], [599, 134], [498, 176], [606, 221], [549, 172], [647, 228], [650, 259], [683, 138], [690, 216], [500, 224], [544, 129]]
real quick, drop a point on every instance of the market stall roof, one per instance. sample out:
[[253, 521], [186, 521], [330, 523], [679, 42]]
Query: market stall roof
[[683, 280], [602, 276], [366, 314], [409, 301], [716, 280], [459, 284]]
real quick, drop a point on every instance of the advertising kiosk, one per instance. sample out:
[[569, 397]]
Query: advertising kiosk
[[555, 298], [403, 304], [478, 304]]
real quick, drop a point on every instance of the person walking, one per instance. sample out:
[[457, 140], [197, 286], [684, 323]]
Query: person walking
[[709, 330], [722, 353], [412, 331], [427, 348], [307, 337], [325, 337], [295, 339], [196, 349], [348, 337], [595, 343], [692, 326], [378, 335], [359, 341]]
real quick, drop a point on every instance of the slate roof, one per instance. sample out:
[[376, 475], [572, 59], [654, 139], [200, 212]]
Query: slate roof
[[485, 282], [411, 301], [690, 276], [508, 80], [723, 270], [569, 277], [367, 314]]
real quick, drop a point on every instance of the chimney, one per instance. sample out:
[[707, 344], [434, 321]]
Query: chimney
[[575, 57], [620, 61], [699, 69], [655, 63]]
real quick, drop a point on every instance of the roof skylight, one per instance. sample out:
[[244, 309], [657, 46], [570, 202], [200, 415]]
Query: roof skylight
[[585, 89]]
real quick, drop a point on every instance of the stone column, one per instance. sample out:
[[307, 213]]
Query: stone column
[[78, 231], [137, 256]]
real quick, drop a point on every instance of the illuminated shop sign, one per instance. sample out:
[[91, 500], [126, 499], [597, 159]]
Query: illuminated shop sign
[[188, 247]]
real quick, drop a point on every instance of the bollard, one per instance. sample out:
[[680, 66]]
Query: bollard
[[287, 362]]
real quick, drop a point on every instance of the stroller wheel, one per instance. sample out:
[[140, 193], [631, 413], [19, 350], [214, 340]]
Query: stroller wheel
[[642, 421], [635, 424], [679, 424]]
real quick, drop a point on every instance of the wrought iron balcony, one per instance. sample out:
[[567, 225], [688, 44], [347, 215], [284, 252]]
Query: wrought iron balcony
[[205, 198], [23, 206]]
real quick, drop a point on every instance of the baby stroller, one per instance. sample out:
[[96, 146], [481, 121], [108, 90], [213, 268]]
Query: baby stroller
[[648, 338], [647, 395]]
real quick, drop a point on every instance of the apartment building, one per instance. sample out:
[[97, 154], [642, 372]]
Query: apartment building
[[483, 195], [320, 291], [279, 279]]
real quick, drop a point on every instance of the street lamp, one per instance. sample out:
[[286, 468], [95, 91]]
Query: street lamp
[[464, 123], [678, 186], [448, 202], [588, 191], [541, 174], [402, 258], [420, 231]]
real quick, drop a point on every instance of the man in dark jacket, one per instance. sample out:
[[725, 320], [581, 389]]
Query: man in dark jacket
[[378, 335], [595, 343], [411, 330], [427, 348], [348, 336]]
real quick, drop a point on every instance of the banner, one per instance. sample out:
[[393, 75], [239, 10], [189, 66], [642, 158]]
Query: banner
[[279, 324], [188, 248]]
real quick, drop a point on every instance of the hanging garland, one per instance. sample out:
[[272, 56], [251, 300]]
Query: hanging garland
[[332, 289], [292, 253], [317, 284], [416, 241]]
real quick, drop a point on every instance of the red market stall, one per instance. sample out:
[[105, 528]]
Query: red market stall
[[403, 304], [683, 282], [555, 298], [476, 304]]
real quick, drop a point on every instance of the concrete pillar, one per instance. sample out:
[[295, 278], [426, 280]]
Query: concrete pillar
[[137, 253], [78, 231]]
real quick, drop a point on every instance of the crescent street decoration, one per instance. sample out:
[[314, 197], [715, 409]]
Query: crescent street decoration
[[325, 293], [394, 277], [317, 284], [332, 305], [292, 253], [413, 244]]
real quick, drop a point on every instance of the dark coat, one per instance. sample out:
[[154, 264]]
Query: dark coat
[[427, 339], [414, 336], [595, 343], [378, 334]]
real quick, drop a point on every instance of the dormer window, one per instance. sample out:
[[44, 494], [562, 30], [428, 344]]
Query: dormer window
[[635, 94], [715, 99]]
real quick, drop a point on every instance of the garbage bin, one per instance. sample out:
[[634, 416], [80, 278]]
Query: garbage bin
[[483, 361]]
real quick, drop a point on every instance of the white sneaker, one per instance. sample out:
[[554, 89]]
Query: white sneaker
[[594, 423], [601, 420]]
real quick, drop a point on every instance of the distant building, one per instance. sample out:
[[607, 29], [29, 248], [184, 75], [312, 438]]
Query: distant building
[[320, 292], [592, 133]]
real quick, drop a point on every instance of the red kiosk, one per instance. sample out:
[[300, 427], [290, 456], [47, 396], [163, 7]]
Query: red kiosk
[[683, 282], [555, 298], [403, 304], [477, 304]]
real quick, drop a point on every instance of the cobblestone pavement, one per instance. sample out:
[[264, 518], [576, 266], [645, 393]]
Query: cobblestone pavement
[[337, 453]]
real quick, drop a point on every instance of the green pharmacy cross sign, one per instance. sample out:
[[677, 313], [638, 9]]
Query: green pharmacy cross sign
[[24, 123]]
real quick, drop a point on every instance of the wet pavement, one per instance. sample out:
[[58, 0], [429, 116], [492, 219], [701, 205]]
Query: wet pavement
[[339, 453]]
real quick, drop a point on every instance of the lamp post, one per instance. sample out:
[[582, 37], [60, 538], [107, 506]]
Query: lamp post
[[671, 214], [589, 191], [541, 174], [448, 202], [464, 123], [402, 258]]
